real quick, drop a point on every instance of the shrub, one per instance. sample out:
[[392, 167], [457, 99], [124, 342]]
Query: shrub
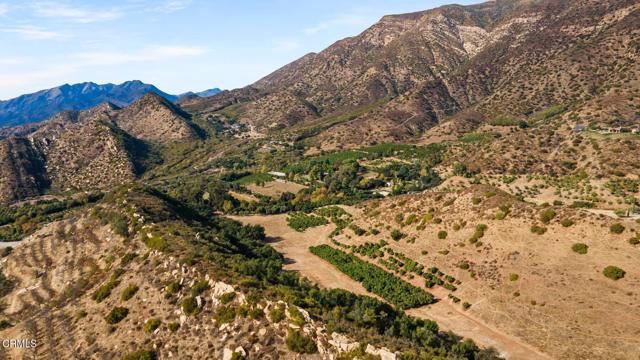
[[172, 287], [567, 222], [411, 219], [277, 313], [104, 291], [296, 315], [580, 248], [173, 326], [256, 313], [228, 297], [464, 265], [199, 287], [225, 314], [547, 215], [500, 215], [613, 272], [538, 229], [129, 292], [127, 258], [190, 306], [141, 355], [300, 221], [397, 235], [476, 200], [466, 305], [513, 277], [151, 325], [5, 324], [237, 356], [300, 343], [119, 225], [357, 230], [116, 315], [442, 234], [157, 242], [635, 240], [617, 228]]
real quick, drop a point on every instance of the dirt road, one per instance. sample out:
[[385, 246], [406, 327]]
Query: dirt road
[[295, 248]]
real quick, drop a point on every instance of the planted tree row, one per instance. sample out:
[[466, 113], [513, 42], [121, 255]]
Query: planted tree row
[[374, 279]]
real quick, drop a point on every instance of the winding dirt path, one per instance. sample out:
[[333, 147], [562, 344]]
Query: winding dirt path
[[295, 248]]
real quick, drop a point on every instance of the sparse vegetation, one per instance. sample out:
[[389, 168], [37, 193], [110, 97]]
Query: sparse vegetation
[[151, 325], [129, 292], [580, 248], [613, 272], [547, 215], [617, 228], [190, 306], [277, 314], [173, 326], [567, 222], [300, 343], [116, 315]]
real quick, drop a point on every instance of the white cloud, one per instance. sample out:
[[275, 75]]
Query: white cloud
[[7, 61], [59, 10], [173, 5], [59, 71], [340, 20], [4, 8], [33, 32], [151, 53]]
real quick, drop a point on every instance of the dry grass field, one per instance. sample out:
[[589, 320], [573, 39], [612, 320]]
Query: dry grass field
[[275, 188], [533, 287]]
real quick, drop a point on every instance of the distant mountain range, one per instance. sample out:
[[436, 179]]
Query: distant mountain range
[[43, 104]]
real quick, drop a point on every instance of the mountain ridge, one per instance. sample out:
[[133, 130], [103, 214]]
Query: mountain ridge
[[41, 105]]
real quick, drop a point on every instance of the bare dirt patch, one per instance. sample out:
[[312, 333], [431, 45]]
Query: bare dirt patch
[[276, 188], [243, 197]]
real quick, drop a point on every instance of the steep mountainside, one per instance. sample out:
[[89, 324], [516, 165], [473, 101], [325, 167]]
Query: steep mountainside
[[153, 118], [410, 72], [22, 170], [97, 148]]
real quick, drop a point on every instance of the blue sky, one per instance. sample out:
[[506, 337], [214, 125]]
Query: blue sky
[[178, 45]]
